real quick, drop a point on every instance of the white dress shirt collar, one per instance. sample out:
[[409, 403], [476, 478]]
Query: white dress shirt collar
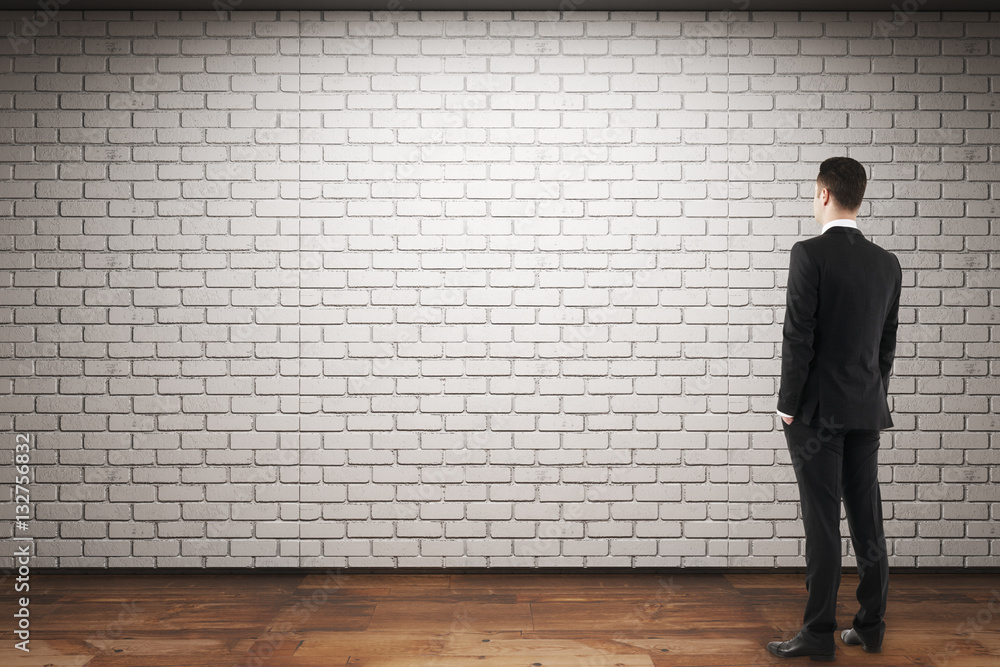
[[840, 222]]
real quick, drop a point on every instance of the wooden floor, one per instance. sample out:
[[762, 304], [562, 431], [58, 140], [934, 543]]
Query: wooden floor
[[257, 619]]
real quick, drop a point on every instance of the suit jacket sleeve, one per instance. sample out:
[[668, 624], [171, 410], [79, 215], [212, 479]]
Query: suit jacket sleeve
[[887, 346], [801, 302]]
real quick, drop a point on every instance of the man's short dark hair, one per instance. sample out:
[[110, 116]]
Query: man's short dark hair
[[845, 178]]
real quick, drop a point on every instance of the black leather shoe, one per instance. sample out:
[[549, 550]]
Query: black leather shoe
[[850, 636], [799, 646]]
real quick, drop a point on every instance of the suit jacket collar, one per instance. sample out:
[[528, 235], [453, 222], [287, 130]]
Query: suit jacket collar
[[840, 222], [843, 230]]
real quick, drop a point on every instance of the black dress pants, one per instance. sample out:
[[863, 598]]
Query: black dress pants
[[831, 463]]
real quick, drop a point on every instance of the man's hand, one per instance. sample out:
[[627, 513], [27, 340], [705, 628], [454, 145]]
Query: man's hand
[[787, 420]]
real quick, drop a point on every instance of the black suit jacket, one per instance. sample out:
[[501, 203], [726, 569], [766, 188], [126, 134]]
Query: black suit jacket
[[839, 334]]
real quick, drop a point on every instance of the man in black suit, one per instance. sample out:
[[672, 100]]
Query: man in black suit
[[838, 345]]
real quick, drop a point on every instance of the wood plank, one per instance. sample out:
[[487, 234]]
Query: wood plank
[[108, 619]]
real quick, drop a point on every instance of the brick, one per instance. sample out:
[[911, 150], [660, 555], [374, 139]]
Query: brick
[[234, 276]]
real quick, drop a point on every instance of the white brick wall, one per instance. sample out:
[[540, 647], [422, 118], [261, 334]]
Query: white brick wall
[[476, 289]]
